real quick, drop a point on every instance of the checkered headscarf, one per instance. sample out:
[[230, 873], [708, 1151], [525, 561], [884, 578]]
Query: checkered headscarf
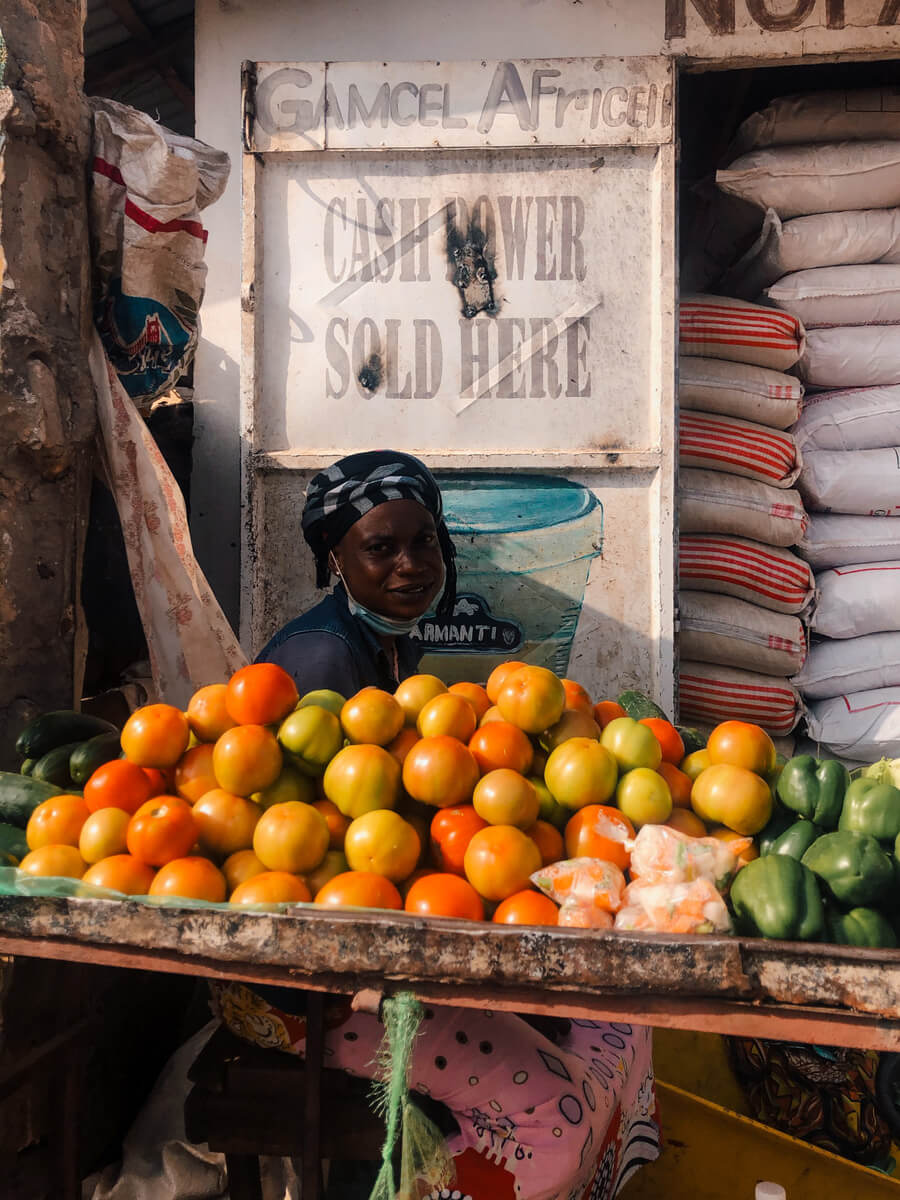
[[338, 496]]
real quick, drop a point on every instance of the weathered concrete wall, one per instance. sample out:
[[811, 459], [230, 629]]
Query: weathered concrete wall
[[46, 398]]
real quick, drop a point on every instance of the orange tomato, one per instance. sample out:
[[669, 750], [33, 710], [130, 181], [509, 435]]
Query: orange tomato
[[532, 698], [239, 867], [668, 737], [492, 714], [291, 837], [526, 908], [548, 840], [574, 722], [271, 887], [440, 771], [192, 878], [448, 715], [118, 784], [334, 863], [372, 717], [451, 831], [724, 794], [414, 693], [577, 697], [742, 744], [337, 823], [499, 744], [160, 781], [443, 895], [122, 873], [194, 775], [680, 784], [207, 712], [504, 797], [384, 843], [497, 678], [600, 831], [581, 771], [687, 822], [155, 736], [260, 694], [225, 823], [359, 889], [605, 711], [56, 822], [403, 743], [500, 860], [54, 860], [476, 696], [103, 834], [161, 830], [247, 759], [360, 779]]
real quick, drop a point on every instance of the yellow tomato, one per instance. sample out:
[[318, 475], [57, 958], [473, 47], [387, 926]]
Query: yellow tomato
[[384, 843], [693, 764], [65, 861], [532, 698], [241, 866], [414, 693], [103, 834], [727, 795], [504, 797], [581, 771], [372, 717], [291, 837], [333, 864], [644, 797], [574, 722], [447, 715], [360, 779]]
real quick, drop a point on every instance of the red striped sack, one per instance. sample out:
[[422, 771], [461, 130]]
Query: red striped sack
[[735, 633], [717, 502], [740, 447], [717, 327], [709, 694], [768, 576]]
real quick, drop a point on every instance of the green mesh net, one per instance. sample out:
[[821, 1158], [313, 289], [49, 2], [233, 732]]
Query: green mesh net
[[423, 1152]]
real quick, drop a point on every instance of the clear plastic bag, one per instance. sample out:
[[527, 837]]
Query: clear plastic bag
[[582, 882], [661, 854], [694, 907]]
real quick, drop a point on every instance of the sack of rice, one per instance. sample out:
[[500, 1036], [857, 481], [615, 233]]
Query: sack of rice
[[836, 666], [861, 295], [832, 540], [718, 327], [861, 726], [767, 576], [717, 443], [733, 633], [860, 482], [852, 356], [709, 694], [713, 502], [739, 390], [856, 600], [860, 114], [850, 419]]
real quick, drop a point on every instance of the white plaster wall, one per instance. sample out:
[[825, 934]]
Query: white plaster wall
[[229, 31]]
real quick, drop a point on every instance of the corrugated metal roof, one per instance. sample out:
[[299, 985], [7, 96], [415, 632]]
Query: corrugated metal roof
[[120, 62]]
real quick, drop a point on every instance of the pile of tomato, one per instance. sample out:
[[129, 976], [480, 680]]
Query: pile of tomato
[[440, 801]]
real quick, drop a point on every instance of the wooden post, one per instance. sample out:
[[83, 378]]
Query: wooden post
[[46, 397]]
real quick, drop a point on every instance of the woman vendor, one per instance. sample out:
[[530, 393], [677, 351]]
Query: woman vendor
[[539, 1109]]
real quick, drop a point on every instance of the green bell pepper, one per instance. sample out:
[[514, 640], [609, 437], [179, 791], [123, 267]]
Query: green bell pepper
[[777, 897], [781, 820], [797, 839], [814, 788], [852, 866], [873, 808], [860, 927]]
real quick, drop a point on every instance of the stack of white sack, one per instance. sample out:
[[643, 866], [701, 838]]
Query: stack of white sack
[[741, 590], [825, 168]]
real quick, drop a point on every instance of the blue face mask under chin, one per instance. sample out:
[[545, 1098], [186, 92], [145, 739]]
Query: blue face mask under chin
[[386, 626]]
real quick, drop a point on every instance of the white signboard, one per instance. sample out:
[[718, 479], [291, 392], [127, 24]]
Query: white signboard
[[376, 106]]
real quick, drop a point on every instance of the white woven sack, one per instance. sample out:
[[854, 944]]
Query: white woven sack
[[739, 390], [836, 666], [733, 633], [858, 295], [852, 356], [850, 419], [832, 540], [857, 482], [799, 180], [864, 726], [767, 576], [863, 114], [714, 502], [820, 240], [856, 600], [708, 694]]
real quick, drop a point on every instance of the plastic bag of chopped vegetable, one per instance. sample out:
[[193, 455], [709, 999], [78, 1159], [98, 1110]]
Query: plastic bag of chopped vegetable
[[694, 907], [582, 882], [664, 855]]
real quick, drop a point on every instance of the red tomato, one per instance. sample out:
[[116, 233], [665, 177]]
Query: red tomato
[[499, 744], [161, 830], [443, 895], [526, 908], [118, 784], [260, 694], [668, 737], [451, 831]]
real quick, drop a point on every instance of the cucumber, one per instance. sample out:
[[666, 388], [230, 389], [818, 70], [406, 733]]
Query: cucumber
[[53, 729], [13, 846], [27, 766], [638, 706], [20, 795], [88, 756], [693, 739], [53, 767]]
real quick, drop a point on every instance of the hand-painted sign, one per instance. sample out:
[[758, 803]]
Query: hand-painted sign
[[779, 28]]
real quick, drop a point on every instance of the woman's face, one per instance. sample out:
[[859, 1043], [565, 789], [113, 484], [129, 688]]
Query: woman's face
[[391, 560]]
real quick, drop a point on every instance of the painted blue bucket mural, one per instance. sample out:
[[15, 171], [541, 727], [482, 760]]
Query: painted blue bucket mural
[[524, 546]]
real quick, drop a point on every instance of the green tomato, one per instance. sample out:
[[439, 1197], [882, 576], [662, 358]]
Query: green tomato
[[643, 796], [631, 744], [324, 698], [312, 737]]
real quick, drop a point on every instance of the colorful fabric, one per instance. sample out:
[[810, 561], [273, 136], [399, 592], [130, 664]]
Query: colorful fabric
[[826, 1096], [564, 1117]]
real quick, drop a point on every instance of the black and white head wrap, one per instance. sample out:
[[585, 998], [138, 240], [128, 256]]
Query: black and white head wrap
[[338, 496]]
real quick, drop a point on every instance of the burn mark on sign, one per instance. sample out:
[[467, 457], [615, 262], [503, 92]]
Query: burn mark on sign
[[371, 373], [472, 266]]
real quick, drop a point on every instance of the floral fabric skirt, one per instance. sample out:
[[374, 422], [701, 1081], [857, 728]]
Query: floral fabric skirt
[[564, 1117]]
